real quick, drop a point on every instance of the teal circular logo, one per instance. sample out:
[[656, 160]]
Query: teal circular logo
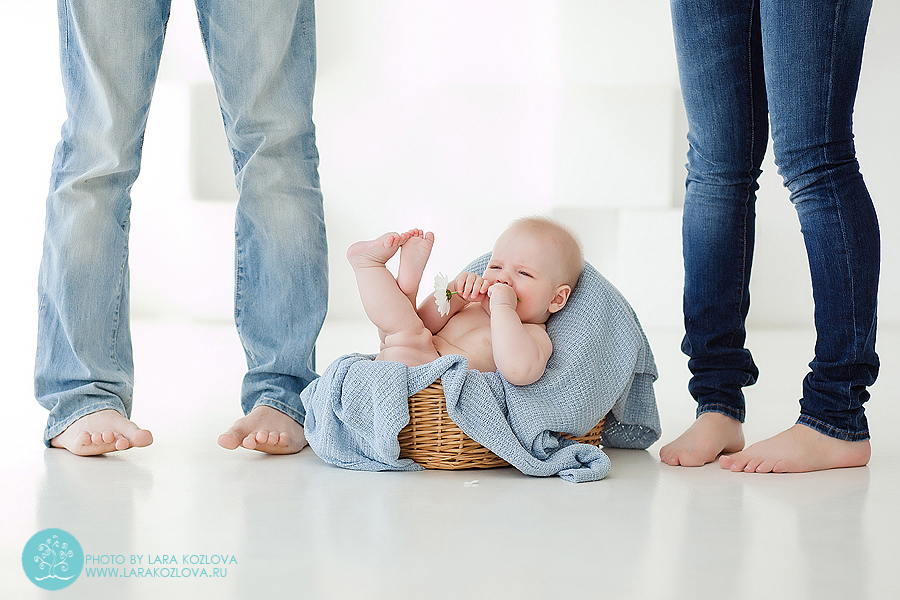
[[52, 559]]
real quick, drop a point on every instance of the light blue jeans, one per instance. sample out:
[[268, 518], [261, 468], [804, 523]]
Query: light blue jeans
[[262, 58], [794, 64]]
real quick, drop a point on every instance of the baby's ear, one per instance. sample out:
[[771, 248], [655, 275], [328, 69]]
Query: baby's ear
[[560, 299]]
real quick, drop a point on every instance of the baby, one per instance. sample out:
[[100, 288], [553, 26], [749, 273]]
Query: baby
[[496, 320]]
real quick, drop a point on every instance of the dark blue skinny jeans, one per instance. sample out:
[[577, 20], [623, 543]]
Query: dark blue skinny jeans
[[795, 64]]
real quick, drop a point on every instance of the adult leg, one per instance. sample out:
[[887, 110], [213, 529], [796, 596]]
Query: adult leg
[[720, 66], [262, 56], [812, 53], [109, 52]]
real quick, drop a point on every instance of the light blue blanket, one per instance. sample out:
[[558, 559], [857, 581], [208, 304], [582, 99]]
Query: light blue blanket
[[601, 365]]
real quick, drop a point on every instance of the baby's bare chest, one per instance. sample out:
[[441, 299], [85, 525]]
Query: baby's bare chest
[[468, 333]]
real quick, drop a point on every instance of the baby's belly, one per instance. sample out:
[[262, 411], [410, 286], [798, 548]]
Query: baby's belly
[[480, 357]]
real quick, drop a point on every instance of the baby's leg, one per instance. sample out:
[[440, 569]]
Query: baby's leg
[[386, 305], [413, 258]]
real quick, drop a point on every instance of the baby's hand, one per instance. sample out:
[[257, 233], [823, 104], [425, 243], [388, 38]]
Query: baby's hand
[[502, 295], [470, 287]]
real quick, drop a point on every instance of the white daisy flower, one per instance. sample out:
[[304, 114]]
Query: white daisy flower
[[442, 294]]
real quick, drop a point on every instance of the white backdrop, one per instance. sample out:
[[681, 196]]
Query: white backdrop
[[453, 116]]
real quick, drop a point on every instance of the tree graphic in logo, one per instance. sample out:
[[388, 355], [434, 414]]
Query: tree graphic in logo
[[52, 559]]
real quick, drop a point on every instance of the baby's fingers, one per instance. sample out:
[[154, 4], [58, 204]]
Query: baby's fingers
[[468, 285]]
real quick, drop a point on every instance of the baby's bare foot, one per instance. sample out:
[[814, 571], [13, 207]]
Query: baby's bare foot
[[376, 252], [798, 450], [413, 257], [709, 436], [267, 430], [101, 432]]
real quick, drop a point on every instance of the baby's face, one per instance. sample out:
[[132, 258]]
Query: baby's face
[[529, 263]]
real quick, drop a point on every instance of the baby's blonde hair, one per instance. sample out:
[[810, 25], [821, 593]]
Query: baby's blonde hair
[[563, 239]]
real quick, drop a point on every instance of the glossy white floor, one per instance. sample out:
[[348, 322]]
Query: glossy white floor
[[302, 529]]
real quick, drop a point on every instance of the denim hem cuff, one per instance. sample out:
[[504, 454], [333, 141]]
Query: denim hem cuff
[[61, 425], [724, 409], [830, 431], [282, 407]]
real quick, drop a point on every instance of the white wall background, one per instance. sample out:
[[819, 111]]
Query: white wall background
[[453, 116]]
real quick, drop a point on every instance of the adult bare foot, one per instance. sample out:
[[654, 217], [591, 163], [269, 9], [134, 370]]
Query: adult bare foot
[[267, 430], [709, 436], [798, 450], [101, 432]]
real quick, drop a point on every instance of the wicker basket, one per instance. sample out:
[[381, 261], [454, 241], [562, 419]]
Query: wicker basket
[[434, 441]]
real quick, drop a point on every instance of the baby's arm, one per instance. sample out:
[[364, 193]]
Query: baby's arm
[[521, 350], [469, 287]]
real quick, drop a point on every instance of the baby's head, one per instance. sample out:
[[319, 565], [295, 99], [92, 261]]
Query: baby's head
[[558, 241], [542, 260]]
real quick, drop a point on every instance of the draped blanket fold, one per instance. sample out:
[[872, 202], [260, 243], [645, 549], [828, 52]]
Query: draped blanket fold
[[601, 365]]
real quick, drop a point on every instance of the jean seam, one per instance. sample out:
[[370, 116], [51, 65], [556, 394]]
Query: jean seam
[[66, 41], [831, 431], [238, 301], [724, 409], [747, 199], [833, 186], [122, 283], [281, 407]]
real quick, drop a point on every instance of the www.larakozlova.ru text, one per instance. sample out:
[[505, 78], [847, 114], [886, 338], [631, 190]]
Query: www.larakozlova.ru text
[[190, 565]]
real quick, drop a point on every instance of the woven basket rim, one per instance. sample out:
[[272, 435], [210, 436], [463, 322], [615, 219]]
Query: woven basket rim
[[433, 440]]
